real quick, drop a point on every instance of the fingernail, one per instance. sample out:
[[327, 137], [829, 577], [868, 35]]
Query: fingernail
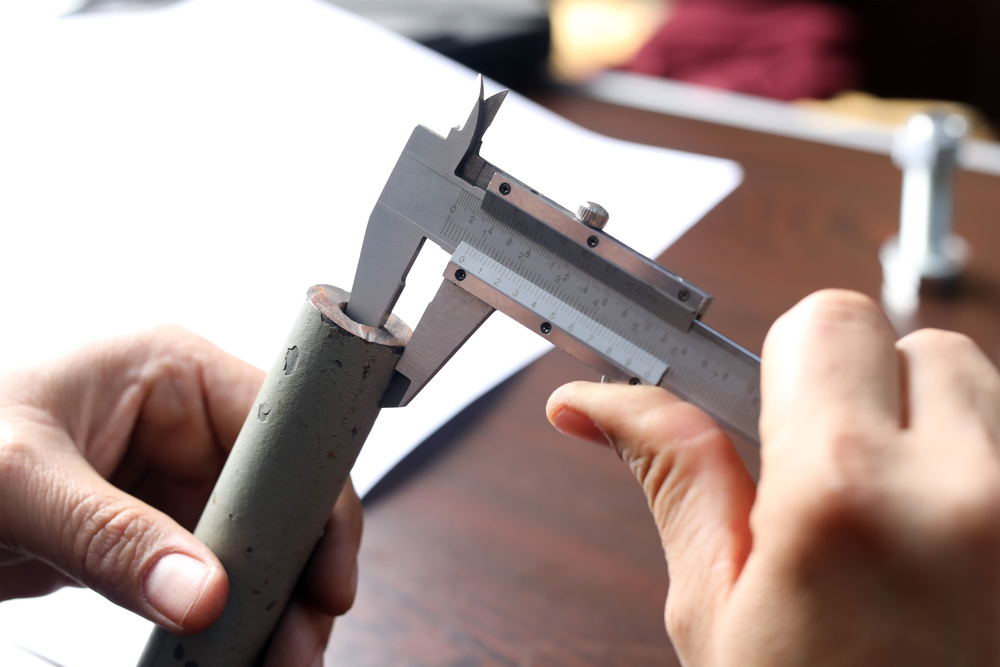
[[578, 425], [174, 584]]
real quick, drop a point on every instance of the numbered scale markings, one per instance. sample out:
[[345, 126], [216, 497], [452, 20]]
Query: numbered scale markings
[[552, 309], [699, 365]]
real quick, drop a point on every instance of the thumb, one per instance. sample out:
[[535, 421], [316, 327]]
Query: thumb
[[59, 510], [697, 488]]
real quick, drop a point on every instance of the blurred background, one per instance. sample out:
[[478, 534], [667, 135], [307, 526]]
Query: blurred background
[[871, 58], [877, 59]]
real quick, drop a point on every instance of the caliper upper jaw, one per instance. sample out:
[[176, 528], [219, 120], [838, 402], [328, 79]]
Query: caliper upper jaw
[[392, 240], [468, 140], [453, 315]]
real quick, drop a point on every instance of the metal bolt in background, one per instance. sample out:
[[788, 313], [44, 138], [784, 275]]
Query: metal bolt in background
[[925, 252]]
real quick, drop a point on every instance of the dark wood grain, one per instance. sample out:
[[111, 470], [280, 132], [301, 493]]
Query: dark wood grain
[[500, 542]]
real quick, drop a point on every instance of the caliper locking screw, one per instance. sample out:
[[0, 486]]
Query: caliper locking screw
[[593, 215], [546, 328], [505, 188], [634, 381], [460, 275], [593, 241], [684, 295]]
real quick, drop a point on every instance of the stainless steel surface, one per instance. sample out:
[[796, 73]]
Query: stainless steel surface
[[537, 218], [414, 206], [592, 295], [925, 148], [284, 474], [592, 215], [617, 336], [450, 318]]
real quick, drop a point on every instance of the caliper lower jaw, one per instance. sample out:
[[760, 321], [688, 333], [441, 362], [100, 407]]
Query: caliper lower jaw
[[450, 319]]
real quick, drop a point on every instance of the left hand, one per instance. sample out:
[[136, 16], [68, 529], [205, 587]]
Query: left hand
[[107, 457]]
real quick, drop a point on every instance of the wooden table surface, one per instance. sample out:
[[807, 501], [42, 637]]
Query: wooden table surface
[[501, 542]]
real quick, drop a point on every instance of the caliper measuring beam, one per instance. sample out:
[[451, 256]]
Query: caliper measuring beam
[[554, 271]]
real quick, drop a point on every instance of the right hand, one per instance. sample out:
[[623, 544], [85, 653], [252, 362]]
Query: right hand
[[874, 535]]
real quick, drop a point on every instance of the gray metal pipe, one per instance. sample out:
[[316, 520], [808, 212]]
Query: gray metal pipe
[[284, 474]]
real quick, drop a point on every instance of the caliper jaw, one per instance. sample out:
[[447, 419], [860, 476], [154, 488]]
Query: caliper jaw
[[451, 317], [396, 231], [471, 166]]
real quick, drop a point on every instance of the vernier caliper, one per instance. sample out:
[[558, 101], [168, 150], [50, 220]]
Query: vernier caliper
[[559, 274], [513, 250]]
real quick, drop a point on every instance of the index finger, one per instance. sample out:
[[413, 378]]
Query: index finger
[[828, 364]]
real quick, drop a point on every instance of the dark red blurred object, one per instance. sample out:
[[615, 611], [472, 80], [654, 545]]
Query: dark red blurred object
[[781, 50]]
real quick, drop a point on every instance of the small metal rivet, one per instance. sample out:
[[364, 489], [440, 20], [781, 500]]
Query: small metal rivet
[[634, 381], [505, 188], [684, 295], [546, 328], [460, 275], [593, 241]]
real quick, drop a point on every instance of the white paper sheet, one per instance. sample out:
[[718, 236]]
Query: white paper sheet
[[203, 165]]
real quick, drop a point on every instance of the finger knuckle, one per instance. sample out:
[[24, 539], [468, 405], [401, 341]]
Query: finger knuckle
[[170, 333], [833, 306], [169, 348], [829, 309], [967, 366], [938, 341], [110, 539], [851, 448]]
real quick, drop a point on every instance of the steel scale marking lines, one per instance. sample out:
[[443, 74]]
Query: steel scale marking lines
[[699, 365]]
